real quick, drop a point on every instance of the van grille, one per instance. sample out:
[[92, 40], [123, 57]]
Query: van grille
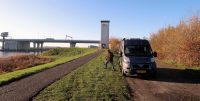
[[140, 66], [141, 60]]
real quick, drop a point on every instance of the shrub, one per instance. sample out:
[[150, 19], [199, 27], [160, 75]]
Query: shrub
[[20, 62], [114, 44], [180, 43]]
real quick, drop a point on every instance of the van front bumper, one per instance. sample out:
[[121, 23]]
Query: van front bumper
[[139, 69]]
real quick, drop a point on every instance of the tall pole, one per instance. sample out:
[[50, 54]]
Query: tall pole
[[4, 34]]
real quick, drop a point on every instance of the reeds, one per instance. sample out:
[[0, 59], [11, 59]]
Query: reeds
[[179, 44], [20, 62]]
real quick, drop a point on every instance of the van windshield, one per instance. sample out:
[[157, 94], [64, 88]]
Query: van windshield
[[138, 50]]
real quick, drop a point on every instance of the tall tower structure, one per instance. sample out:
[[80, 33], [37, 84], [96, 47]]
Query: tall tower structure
[[4, 34], [105, 33]]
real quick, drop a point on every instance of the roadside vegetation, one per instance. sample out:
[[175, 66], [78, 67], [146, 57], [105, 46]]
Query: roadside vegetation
[[114, 44], [90, 82], [59, 56], [21, 62], [179, 45]]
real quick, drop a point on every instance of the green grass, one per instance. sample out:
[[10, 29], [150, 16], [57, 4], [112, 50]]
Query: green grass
[[90, 82], [63, 55], [64, 52], [193, 69], [181, 66], [171, 62]]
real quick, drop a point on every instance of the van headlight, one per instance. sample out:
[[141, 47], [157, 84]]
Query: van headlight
[[126, 64], [152, 60]]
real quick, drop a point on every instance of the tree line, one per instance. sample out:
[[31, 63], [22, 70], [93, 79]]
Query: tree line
[[179, 44]]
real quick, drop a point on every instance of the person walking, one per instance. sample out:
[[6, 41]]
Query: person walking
[[109, 59]]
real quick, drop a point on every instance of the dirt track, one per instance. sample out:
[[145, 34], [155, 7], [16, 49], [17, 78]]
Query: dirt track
[[170, 85], [25, 89]]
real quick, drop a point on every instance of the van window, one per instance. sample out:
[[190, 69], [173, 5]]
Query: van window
[[138, 50]]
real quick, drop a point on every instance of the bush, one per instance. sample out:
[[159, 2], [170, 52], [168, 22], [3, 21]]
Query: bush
[[180, 43], [114, 44], [20, 62]]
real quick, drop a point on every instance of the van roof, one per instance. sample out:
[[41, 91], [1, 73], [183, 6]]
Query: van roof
[[136, 42]]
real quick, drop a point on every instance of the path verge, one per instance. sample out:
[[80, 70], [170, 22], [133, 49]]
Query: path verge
[[16, 75], [26, 88]]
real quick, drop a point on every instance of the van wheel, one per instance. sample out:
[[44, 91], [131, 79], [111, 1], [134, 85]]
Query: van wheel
[[154, 75]]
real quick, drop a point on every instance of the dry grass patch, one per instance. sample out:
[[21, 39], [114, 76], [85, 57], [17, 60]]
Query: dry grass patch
[[21, 62]]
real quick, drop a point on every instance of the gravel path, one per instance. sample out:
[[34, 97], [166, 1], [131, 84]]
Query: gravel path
[[171, 84], [26, 88]]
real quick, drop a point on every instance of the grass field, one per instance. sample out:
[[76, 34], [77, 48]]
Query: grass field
[[60, 56], [90, 82]]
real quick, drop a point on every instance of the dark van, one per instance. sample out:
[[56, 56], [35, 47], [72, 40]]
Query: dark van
[[137, 57]]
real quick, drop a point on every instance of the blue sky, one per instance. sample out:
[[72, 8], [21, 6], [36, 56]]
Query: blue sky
[[81, 18]]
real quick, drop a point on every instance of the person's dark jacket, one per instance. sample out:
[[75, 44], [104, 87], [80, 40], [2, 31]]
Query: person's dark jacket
[[109, 56]]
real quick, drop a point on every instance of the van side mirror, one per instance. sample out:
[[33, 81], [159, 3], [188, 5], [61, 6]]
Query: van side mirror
[[155, 54]]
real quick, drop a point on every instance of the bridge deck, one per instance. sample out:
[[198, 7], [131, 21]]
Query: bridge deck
[[53, 40]]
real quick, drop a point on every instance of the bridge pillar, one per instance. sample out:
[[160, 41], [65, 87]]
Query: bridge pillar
[[3, 44], [42, 46], [34, 45], [72, 45], [38, 45], [25, 46]]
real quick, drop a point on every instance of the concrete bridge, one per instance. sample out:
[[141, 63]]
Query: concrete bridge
[[24, 44]]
